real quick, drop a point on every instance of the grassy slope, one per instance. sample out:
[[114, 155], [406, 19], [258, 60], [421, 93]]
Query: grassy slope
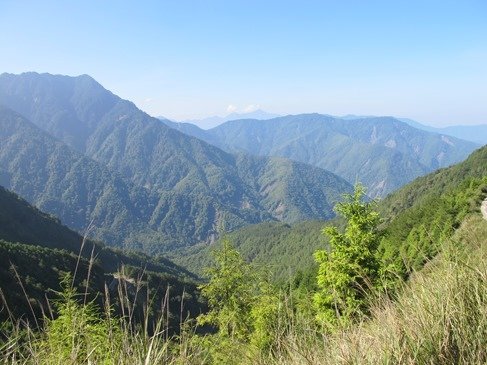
[[439, 318]]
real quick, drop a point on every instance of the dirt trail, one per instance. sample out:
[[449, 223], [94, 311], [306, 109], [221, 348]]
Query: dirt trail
[[483, 209]]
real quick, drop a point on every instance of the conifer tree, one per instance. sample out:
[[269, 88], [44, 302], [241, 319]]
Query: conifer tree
[[351, 267], [229, 293]]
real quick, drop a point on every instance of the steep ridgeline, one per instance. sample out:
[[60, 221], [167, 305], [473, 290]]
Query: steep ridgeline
[[42, 250], [78, 190], [435, 184], [417, 219], [145, 185], [381, 152]]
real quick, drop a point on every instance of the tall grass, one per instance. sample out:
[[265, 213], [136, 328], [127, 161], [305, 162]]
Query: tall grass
[[438, 317], [81, 333]]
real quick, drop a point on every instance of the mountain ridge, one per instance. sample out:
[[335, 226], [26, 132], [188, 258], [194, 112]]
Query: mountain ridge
[[382, 152], [188, 186], [476, 133]]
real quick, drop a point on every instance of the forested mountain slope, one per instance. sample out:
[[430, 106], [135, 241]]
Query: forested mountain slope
[[78, 190], [280, 248], [436, 183], [416, 220], [381, 152], [146, 185], [36, 252]]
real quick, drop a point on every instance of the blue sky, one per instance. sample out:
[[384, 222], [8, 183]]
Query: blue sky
[[425, 60]]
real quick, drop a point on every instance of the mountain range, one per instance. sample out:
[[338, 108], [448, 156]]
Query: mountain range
[[473, 133], [104, 168], [79, 152], [384, 153]]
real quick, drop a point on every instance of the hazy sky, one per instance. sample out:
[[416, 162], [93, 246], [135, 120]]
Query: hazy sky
[[425, 60]]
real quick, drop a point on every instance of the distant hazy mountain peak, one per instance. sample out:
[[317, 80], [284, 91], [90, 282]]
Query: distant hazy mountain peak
[[474, 133], [354, 116], [214, 121], [256, 114]]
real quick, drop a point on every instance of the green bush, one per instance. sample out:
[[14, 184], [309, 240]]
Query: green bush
[[351, 269], [79, 334]]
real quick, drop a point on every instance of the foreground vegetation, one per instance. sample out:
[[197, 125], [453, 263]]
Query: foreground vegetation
[[437, 316], [36, 251]]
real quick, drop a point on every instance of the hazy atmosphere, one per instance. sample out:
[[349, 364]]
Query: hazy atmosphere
[[423, 60], [243, 182]]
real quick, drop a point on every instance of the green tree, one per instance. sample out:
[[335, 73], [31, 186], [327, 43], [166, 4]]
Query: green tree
[[229, 293], [265, 312], [79, 334], [351, 268], [244, 306]]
